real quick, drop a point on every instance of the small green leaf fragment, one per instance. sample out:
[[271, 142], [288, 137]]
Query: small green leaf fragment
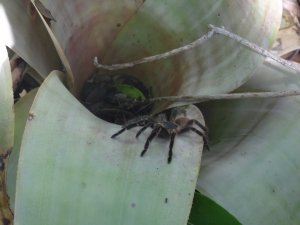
[[130, 91]]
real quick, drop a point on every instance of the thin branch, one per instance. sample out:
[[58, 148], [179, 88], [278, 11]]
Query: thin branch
[[213, 31], [165, 55], [253, 46], [201, 98]]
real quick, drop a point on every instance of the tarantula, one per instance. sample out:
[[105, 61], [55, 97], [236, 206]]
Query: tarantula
[[169, 123]]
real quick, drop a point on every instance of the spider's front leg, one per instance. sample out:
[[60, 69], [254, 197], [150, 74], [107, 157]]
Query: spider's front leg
[[171, 147], [143, 129], [127, 127], [156, 130]]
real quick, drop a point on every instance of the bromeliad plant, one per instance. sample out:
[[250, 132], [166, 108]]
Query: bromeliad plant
[[64, 167]]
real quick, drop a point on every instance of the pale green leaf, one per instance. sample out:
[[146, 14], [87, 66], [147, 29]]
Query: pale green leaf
[[21, 111], [121, 31], [71, 172], [207, 212], [253, 167]]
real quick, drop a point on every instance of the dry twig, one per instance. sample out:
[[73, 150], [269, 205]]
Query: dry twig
[[212, 32]]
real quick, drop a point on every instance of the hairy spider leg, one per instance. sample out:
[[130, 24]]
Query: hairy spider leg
[[205, 141], [143, 129], [127, 127], [156, 130], [171, 147], [204, 128]]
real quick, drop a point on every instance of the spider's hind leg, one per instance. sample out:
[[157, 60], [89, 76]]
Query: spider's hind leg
[[204, 128], [205, 140]]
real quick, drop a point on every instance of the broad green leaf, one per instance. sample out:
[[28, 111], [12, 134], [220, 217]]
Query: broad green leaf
[[220, 65], [121, 31], [24, 33], [253, 167], [71, 172], [6, 102], [21, 108], [207, 212]]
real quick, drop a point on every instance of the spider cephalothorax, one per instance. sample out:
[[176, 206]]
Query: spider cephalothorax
[[169, 123]]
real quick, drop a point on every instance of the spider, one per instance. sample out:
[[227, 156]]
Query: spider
[[166, 124]]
